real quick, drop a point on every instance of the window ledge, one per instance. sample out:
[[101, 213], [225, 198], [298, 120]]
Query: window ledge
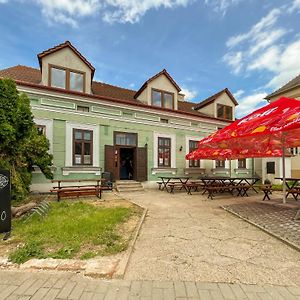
[[164, 170], [220, 171], [242, 171], [194, 170], [81, 169]]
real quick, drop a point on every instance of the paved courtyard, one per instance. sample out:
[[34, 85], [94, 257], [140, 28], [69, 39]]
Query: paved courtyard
[[189, 238]]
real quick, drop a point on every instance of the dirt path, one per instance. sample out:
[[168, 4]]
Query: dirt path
[[189, 238]]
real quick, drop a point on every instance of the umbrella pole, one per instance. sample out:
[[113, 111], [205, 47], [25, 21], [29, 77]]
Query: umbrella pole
[[283, 176]]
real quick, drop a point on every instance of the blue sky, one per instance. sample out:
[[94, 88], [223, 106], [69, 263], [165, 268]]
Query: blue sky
[[250, 46]]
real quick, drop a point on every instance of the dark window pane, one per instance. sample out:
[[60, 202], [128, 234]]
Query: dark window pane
[[58, 78], [78, 148], [87, 148], [78, 135], [83, 108], [168, 100], [156, 98], [76, 82], [87, 136]]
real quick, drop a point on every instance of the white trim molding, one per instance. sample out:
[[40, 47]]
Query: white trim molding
[[48, 123], [156, 135], [69, 144]]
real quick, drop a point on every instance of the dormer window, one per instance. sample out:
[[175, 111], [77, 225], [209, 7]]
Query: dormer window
[[224, 111], [66, 79], [162, 99]]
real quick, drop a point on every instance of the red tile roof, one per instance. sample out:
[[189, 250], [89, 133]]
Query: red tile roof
[[214, 97], [163, 72], [61, 46], [31, 77]]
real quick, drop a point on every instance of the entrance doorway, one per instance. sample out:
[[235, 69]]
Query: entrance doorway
[[126, 163]]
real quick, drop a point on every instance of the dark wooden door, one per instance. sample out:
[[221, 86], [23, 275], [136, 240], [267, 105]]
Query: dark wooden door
[[112, 161], [141, 164]]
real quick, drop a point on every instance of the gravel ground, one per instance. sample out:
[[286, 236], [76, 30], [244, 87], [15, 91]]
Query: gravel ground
[[192, 239]]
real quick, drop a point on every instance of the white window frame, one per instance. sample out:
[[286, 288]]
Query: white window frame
[[156, 135], [69, 143], [187, 148], [49, 130], [227, 165]]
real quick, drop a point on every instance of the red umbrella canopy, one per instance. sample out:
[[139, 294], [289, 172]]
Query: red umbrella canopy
[[271, 127], [222, 154]]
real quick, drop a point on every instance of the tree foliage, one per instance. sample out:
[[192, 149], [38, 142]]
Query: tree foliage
[[21, 146]]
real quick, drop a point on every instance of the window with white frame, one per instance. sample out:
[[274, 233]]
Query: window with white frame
[[220, 164], [193, 145], [82, 145], [242, 163], [164, 150]]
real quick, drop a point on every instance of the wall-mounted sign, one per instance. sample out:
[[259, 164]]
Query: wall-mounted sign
[[5, 197]]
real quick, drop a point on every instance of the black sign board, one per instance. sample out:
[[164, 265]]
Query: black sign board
[[270, 167], [5, 209]]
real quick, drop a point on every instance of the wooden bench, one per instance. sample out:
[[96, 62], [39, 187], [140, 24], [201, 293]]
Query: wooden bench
[[267, 189], [295, 192], [193, 185], [242, 189], [78, 190], [173, 185]]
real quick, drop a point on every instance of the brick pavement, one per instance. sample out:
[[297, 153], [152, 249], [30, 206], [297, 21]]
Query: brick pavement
[[276, 220], [45, 285]]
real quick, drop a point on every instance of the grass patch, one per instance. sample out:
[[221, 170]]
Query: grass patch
[[71, 230]]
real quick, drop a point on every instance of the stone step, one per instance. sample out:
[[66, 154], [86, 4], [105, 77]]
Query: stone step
[[128, 186], [129, 190]]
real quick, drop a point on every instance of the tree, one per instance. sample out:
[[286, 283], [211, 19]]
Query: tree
[[21, 146]]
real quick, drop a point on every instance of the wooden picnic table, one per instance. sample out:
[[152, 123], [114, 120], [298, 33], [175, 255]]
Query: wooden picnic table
[[165, 180], [229, 184], [292, 185], [77, 190]]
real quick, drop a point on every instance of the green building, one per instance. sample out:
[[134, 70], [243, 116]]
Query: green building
[[95, 127]]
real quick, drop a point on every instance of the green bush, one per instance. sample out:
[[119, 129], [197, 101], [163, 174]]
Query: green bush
[[21, 147]]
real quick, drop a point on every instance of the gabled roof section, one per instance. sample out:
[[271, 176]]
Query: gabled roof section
[[62, 46], [214, 97], [163, 72], [295, 82]]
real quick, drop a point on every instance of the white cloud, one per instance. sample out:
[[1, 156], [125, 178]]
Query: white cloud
[[250, 103], [264, 48], [238, 94], [111, 11], [189, 94], [123, 11], [288, 65], [235, 61], [295, 6], [221, 6]]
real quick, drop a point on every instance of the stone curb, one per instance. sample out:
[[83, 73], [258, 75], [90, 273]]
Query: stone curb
[[286, 241], [122, 267]]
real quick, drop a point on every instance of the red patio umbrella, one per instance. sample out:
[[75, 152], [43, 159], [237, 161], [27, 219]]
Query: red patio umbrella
[[222, 154], [270, 128]]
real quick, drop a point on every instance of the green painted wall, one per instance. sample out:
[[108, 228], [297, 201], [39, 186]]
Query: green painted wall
[[107, 125]]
